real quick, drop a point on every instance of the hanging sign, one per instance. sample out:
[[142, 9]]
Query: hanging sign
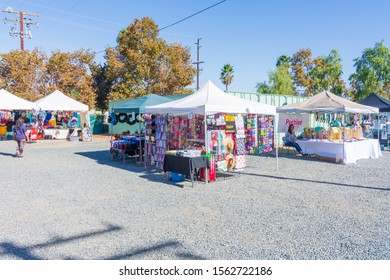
[[298, 120], [230, 124]]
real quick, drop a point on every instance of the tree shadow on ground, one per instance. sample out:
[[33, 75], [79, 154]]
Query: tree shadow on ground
[[26, 252], [11, 250], [103, 157], [133, 254], [316, 181]]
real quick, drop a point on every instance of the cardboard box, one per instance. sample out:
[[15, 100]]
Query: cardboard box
[[331, 159]]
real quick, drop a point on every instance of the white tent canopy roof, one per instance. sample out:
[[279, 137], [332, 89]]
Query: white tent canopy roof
[[329, 103], [211, 99], [8, 101], [59, 101]]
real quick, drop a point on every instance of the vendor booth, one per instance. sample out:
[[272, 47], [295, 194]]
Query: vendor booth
[[381, 126], [341, 139], [8, 101], [131, 143], [66, 125], [212, 128], [375, 100], [8, 104]]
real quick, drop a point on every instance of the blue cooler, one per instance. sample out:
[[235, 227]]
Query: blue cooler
[[177, 177]]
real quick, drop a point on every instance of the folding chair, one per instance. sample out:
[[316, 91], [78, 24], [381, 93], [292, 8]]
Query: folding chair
[[287, 149]]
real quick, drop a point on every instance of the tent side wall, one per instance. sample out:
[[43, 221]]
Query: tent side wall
[[120, 127]]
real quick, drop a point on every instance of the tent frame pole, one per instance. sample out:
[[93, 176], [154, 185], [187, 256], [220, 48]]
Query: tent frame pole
[[345, 118], [276, 140], [206, 176], [379, 126]]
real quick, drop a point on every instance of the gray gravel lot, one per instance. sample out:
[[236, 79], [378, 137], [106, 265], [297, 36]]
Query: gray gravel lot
[[68, 200]]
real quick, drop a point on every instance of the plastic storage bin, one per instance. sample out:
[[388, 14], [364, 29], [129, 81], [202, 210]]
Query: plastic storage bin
[[176, 177]]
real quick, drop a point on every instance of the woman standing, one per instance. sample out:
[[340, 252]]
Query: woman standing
[[20, 135]]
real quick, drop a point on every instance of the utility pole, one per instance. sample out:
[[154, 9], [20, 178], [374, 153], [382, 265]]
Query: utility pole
[[197, 63], [22, 22]]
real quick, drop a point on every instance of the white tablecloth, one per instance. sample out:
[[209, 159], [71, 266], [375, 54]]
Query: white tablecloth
[[352, 150], [57, 133]]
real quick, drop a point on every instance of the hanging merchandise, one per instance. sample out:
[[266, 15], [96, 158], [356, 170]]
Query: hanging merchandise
[[265, 124], [217, 142], [240, 127], [177, 132], [251, 132], [230, 124], [161, 139], [240, 146]]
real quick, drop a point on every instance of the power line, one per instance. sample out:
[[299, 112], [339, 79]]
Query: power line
[[80, 25], [177, 22], [190, 16], [73, 14], [64, 15]]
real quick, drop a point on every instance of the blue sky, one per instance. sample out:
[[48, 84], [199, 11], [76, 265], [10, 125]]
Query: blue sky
[[249, 35]]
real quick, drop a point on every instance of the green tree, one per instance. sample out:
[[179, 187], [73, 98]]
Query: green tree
[[327, 72], [33, 74], [23, 73], [143, 63], [281, 81], [102, 85], [372, 72], [302, 66], [313, 75], [262, 87], [283, 60], [70, 73], [227, 76]]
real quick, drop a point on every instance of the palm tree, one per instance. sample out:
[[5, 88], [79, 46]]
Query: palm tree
[[227, 75]]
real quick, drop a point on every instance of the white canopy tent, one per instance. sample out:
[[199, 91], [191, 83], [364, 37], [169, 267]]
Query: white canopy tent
[[211, 99], [8, 101], [57, 101], [327, 102]]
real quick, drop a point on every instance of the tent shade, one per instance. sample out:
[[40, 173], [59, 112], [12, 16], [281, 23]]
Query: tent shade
[[211, 99], [327, 102], [377, 101], [8, 101], [138, 104]]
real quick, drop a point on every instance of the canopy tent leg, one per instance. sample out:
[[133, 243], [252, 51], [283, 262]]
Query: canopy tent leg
[[276, 140], [379, 126], [206, 176], [344, 139]]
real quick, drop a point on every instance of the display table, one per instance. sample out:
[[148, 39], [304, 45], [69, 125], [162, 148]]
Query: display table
[[348, 152], [57, 133], [184, 165], [127, 146]]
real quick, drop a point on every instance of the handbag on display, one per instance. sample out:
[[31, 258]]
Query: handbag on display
[[240, 161]]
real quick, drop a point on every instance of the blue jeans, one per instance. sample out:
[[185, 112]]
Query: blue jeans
[[295, 145]]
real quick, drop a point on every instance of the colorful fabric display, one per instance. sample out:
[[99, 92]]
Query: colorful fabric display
[[240, 146], [251, 131], [265, 134], [240, 127]]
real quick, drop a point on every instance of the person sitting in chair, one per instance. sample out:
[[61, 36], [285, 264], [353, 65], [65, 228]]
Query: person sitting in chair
[[290, 139]]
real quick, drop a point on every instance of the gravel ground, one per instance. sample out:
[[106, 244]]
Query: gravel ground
[[69, 200]]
